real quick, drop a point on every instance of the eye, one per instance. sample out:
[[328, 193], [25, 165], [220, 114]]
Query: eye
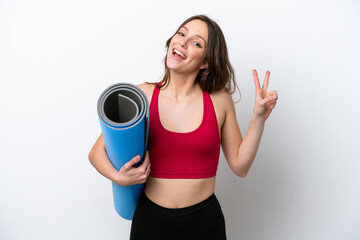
[[181, 34], [197, 44]]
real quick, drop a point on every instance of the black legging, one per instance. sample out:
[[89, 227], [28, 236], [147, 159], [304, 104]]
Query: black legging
[[203, 220]]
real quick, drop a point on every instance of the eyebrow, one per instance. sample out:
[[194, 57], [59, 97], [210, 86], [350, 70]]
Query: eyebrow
[[195, 34]]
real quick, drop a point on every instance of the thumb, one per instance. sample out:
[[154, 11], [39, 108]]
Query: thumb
[[133, 161]]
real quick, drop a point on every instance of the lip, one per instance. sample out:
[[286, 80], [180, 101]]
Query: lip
[[182, 53], [176, 57]]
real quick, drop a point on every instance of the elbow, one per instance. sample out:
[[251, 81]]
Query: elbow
[[242, 175], [239, 171], [91, 156], [238, 167]]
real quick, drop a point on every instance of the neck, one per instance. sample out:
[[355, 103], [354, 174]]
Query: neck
[[181, 86]]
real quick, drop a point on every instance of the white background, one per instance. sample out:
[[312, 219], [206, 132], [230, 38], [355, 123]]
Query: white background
[[56, 57]]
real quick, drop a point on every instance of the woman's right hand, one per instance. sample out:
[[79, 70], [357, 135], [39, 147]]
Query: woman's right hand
[[129, 175]]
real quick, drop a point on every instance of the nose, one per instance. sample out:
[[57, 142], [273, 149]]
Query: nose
[[183, 43]]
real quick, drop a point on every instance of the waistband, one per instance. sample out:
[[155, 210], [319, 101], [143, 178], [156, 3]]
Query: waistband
[[178, 211]]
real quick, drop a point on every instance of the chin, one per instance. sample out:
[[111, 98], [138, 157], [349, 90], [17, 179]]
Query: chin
[[171, 65]]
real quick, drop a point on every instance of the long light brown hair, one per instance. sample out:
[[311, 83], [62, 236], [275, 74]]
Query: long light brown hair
[[219, 73]]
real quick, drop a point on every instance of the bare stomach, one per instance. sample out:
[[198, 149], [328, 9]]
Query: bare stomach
[[179, 193]]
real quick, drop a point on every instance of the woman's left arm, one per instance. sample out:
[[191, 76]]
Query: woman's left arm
[[240, 153]]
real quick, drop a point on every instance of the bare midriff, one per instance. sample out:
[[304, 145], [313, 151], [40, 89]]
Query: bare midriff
[[179, 193]]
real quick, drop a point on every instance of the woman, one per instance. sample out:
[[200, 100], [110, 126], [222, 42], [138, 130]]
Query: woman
[[191, 114]]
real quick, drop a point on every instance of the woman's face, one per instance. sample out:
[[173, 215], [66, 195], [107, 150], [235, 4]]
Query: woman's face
[[187, 49]]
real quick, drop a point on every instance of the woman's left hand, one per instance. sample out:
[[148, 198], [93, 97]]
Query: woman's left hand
[[265, 101]]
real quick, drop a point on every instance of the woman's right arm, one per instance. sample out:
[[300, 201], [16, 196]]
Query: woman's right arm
[[127, 175]]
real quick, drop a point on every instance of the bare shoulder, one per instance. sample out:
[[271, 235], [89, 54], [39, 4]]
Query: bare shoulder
[[222, 99], [147, 88], [223, 104]]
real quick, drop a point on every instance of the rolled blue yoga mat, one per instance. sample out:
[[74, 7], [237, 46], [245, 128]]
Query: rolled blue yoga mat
[[123, 111]]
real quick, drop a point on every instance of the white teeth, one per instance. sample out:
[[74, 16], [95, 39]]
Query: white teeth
[[179, 53]]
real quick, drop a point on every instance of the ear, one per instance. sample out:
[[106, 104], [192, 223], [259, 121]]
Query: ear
[[203, 66]]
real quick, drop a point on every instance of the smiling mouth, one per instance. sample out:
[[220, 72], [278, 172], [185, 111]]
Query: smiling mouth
[[175, 51]]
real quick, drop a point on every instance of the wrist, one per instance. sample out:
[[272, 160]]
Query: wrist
[[255, 119], [117, 178]]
